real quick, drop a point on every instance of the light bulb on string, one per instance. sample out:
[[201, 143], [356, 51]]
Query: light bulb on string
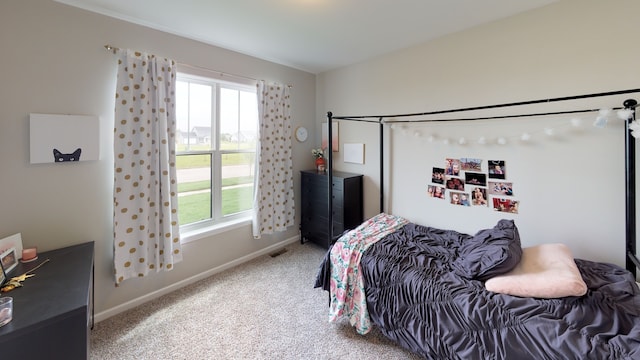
[[576, 122], [625, 114], [601, 122], [635, 129], [604, 112]]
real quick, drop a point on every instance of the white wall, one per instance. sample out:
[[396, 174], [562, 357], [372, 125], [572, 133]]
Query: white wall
[[53, 61], [570, 187]]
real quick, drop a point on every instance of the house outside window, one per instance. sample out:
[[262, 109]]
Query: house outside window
[[217, 133]]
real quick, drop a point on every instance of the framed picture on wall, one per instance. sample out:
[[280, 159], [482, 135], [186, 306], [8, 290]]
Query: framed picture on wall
[[335, 144]]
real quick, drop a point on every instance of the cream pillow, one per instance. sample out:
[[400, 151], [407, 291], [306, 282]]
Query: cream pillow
[[545, 271]]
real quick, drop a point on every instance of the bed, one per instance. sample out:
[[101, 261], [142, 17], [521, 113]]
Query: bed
[[448, 295], [427, 289]]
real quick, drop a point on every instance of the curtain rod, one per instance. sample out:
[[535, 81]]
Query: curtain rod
[[485, 107], [221, 73]]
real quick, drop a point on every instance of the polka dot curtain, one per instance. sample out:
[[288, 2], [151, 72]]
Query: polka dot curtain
[[146, 237], [273, 207]]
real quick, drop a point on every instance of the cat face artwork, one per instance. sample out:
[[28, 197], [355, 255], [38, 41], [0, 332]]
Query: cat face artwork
[[60, 157]]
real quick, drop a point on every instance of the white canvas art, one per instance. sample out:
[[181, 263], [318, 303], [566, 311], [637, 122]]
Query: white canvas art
[[354, 153], [64, 138]]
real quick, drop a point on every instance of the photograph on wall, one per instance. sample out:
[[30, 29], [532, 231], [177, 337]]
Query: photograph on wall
[[470, 164], [437, 175], [455, 184], [335, 144], [435, 191], [459, 198], [63, 138], [505, 205], [474, 178], [497, 169], [452, 167], [500, 188], [479, 197]]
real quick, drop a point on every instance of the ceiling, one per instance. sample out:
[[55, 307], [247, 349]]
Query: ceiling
[[310, 35]]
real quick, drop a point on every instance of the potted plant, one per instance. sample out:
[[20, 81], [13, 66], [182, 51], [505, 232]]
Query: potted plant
[[321, 164]]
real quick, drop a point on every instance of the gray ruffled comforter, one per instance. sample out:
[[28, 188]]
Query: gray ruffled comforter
[[417, 300]]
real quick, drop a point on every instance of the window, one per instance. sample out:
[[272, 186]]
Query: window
[[217, 131]]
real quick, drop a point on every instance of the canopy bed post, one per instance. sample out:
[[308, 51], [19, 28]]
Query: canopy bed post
[[330, 177], [381, 128], [630, 189]]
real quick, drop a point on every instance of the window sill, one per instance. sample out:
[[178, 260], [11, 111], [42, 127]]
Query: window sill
[[197, 234]]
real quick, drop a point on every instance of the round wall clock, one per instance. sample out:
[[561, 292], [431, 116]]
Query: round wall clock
[[301, 133]]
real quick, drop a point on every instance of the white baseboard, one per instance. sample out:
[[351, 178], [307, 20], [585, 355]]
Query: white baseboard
[[103, 315]]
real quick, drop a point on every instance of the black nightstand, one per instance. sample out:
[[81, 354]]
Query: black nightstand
[[314, 203]]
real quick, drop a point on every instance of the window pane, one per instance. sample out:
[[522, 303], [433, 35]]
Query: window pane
[[248, 120], [194, 188], [182, 116], [229, 119], [193, 112], [237, 182]]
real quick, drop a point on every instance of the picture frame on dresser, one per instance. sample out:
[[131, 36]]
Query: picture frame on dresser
[[3, 275], [9, 259]]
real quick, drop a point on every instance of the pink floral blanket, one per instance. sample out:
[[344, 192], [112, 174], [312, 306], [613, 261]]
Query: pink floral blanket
[[347, 287]]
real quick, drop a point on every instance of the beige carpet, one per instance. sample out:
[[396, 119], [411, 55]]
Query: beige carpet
[[264, 309]]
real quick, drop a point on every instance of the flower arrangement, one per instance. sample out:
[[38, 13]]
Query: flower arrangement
[[317, 153]]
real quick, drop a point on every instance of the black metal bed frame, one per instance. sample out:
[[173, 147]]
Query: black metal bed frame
[[632, 262]]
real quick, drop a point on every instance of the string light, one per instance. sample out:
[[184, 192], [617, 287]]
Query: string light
[[602, 118], [635, 129], [625, 114], [576, 122], [601, 122]]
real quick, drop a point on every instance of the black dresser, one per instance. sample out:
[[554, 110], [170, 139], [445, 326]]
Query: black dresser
[[52, 311], [314, 203]]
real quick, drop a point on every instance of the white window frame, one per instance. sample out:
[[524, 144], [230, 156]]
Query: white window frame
[[217, 223]]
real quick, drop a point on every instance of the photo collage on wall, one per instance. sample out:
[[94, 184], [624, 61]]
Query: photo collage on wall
[[463, 182]]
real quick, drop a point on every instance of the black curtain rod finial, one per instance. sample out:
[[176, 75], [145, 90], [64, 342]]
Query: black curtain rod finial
[[630, 103]]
